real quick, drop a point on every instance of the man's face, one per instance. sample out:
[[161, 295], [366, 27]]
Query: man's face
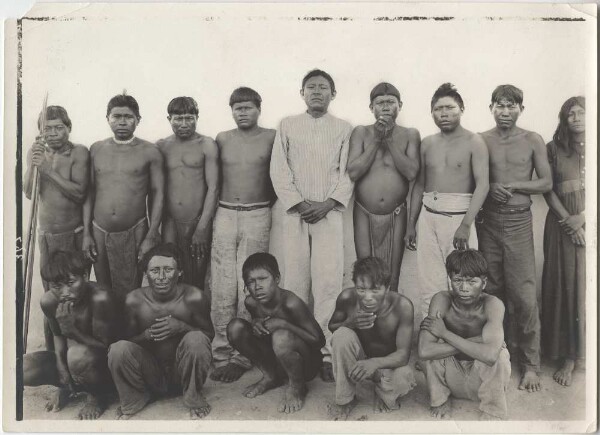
[[370, 296], [386, 105], [245, 114], [56, 133], [262, 285], [72, 290], [576, 119], [505, 113], [183, 125], [123, 122], [467, 289], [163, 274], [317, 93], [446, 114]]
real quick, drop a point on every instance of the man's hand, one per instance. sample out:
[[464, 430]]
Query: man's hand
[[149, 242], [384, 127], [272, 324], [317, 211], [89, 247], [362, 370], [435, 325], [302, 207], [461, 237], [410, 237], [360, 320], [200, 242], [578, 237], [166, 327], [258, 327], [65, 319], [37, 156], [500, 192], [573, 223]]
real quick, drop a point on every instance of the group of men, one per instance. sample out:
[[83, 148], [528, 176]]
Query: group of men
[[131, 208]]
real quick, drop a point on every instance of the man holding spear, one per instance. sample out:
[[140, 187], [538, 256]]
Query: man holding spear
[[63, 173]]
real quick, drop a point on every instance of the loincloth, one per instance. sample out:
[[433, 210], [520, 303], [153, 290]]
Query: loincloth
[[382, 229], [122, 251], [51, 242], [193, 268]]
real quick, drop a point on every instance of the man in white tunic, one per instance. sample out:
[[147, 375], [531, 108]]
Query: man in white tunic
[[308, 171]]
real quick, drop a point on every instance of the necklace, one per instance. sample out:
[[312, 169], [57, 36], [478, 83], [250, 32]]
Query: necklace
[[124, 142]]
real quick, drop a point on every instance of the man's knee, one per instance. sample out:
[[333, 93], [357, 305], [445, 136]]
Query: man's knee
[[237, 330], [85, 363], [283, 342], [343, 337], [195, 342], [120, 350]]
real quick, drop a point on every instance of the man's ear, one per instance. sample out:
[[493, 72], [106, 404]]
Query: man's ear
[[522, 108], [485, 279], [333, 94], [302, 92], [277, 279], [399, 106], [86, 277], [491, 106]]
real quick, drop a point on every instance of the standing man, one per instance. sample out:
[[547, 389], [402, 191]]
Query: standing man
[[63, 169], [192, 180], [308, 169], [505, 232], [168, 339], [242, 223], [449, 191], [383, 160], [126, 174]]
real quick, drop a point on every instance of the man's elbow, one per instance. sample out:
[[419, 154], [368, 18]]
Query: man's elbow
[[547, 185], [353, 173], [423, 353], [412, 173]]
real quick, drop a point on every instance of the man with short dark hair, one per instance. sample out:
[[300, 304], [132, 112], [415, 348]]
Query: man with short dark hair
[[242, 222], [81, 315], [308, 169], [191, 188], [126, 177], [462, 341], [448, 193], [506, 231], [372, 333], [168, 339], [284, 340], [63, 169], [383, 160]]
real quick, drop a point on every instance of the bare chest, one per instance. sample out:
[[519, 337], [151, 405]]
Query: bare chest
[[465, 323], [442, 158], [505, 157], [110, 163], [185, 156], [246, 154]]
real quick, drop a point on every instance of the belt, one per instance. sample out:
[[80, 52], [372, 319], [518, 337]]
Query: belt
[[507, 209], [444, 213], [244, 207]]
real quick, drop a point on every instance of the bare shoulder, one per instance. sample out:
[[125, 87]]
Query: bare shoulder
[[163, 144], [48, 302], [347, 296], [428, 141], [360, 130], [102, 298], [492, 304], [442, 299], [291, 300], [411, 133], [97, 146], [269, 132], [135, 298], [401, 303], [192, 295], [80, 152], [534, 138], [223, 137]]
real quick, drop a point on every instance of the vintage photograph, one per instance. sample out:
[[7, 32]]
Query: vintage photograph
[[232, 217]]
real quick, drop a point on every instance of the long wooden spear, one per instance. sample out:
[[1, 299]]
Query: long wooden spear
[[31, 232]]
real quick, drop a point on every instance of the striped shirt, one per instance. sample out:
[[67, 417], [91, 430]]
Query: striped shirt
[[309, 160]]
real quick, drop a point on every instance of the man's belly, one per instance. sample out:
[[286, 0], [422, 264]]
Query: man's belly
[[119, 214], [380, 192]]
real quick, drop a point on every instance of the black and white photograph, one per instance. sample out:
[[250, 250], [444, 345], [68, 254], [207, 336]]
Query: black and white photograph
[[316, 217]]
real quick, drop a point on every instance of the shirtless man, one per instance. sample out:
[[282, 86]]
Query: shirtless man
[[169, 333], [505, 231], [242, 222], [126, 173], [63, 169], [192, 180], [462, 340], [450, 188], [283, 340], [372, 333], [383, 160], [81, 317]]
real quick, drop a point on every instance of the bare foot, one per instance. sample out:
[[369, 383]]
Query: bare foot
[[230, 372], [379, 405], [265, 384], [327, 372], [121, 416], [530, 382], [443, 411], [484, 416], [564, 375], [200, 411], [92, 409], [340, 412], [293, 399], [58, 400]]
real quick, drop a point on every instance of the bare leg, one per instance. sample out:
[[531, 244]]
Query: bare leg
[[398, 248], [362, 233], [101, 267], [564, 375], [259, 351]]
